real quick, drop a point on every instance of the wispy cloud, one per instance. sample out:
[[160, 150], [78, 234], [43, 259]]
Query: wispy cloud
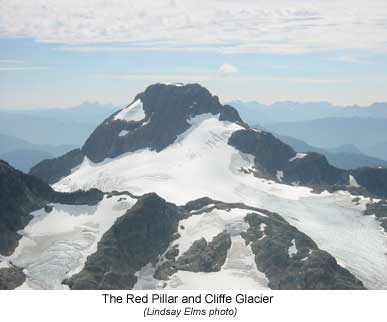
[[350, 59], [11, 61], [16, 69], [13, 65], [279, 26]]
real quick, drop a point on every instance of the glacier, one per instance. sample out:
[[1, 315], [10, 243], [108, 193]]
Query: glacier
[[201, 163], [55, 245]]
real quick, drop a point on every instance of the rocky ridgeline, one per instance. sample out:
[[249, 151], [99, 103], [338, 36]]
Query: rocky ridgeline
[[291, 260], [52, 170], [136, 239], [272, 156], [145, 234], [379, 210]]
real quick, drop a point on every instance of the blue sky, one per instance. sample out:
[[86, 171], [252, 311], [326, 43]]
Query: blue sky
[[60, 53]]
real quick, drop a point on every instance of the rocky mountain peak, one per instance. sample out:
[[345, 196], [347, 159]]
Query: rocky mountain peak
[[154, 119]]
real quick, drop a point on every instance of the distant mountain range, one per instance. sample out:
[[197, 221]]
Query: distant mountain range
[[367, 134], [28, 137], [86, 112], [323, 125], [55, 126], [288, 111], [344, 157], [23, 154]]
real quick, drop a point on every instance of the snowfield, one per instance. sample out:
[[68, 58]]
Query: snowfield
[[3, 262], [55, 245], [200, 163], [238, 272]]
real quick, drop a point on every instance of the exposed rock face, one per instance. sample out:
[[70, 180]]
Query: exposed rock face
[[373, 179], [291, 260], [90, 197], [200, 257], [20, 194], [11, 278], [136, 238], [269, 152], [379, 210], [167, 111], [272, 155], [314, 169], [50, 171]]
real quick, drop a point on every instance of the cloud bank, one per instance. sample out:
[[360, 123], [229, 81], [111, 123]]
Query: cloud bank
[[225, 26]]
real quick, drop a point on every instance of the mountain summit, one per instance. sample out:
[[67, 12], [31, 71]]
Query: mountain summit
[[154, 120]]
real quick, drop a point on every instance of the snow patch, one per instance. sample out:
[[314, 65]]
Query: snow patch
[[262, 228], [280, 175], [208, 225], [3, 262], [203, 208], [123, 133], [353, 182], [298, 156], [292, 249], [133, 112], [145, 279], [238, 272], [307, 256], [174, 84]]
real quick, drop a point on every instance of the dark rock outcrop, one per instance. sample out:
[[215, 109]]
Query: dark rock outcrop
[[90, 197], [136, 238], [304, 267], [373, 179], [271, 239], [379, 210], [270, 153], [314, 169], [200, 257], [52, 170], [167, 109], [20, 194], [11, 278]]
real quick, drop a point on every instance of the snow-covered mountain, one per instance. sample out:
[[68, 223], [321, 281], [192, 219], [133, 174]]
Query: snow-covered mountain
[[190, 190]]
